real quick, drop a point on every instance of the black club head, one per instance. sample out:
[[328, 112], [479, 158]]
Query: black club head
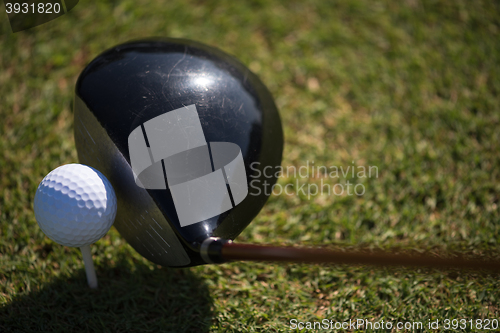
[[183, 132]]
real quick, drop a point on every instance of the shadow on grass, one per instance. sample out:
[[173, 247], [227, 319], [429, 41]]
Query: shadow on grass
[[130, 298]]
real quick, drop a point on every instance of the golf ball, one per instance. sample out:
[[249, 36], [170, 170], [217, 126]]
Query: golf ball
[[75, 205]]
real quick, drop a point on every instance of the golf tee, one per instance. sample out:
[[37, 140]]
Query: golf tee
[[89, 266]]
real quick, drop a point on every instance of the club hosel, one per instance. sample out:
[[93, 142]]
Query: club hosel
[[211, 250]]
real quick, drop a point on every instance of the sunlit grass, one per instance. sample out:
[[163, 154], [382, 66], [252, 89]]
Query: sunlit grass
[[411, 87]]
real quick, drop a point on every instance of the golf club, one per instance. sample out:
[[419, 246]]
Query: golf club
[[185, 134]]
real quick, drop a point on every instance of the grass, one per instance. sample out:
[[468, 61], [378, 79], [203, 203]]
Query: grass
[[411, 87]]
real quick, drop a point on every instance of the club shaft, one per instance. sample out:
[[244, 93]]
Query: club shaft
[[247, 252]]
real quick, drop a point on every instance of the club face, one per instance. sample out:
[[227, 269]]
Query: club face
[[183, 132]]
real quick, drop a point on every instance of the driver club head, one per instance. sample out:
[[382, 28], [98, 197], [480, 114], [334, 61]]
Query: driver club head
[[183, 132]]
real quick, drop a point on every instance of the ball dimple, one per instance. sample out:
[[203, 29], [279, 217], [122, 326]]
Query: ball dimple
[[75, 205], [98, 204], [65, 189], [79, 190]]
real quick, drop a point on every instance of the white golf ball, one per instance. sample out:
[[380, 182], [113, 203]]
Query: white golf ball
[[75, 205]]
